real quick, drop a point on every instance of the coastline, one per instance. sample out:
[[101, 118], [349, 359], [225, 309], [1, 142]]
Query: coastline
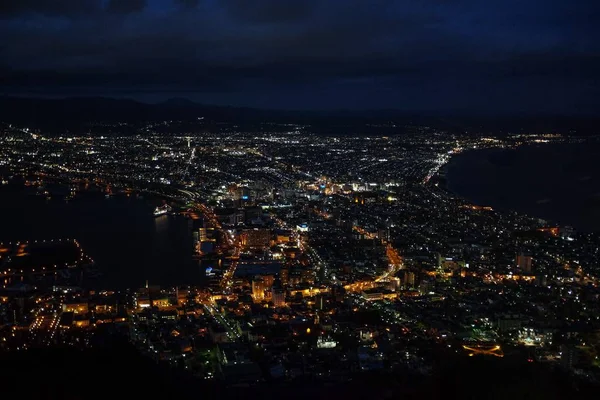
[[530, 180], [128, 243]]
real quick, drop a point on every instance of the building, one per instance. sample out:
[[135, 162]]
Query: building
[[284, 276], [105, 308], [242, 193], [509, 323], [256, 238], [426, 287], [524, 263], [205, 234], [449, 264], [409, 279], [307, 276], [78, 307], [279, 298], [258, 289], [161, 302], [372, 295], [283, 236], [229, 216], [569, 356]]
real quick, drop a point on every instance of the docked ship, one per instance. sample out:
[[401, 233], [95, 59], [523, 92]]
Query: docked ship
[[162, 210]]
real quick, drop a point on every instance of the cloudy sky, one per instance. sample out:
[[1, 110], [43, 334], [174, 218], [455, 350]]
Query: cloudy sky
[[467, 55]]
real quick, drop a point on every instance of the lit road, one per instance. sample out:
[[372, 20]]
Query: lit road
[[395, 260], [232, 332], [209, 215], [395, 264], [213, 221], [227, 279], [488, 350], [45, 324]]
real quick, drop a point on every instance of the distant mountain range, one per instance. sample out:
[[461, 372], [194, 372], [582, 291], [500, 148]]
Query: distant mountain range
[[89, 109], [75, 113]]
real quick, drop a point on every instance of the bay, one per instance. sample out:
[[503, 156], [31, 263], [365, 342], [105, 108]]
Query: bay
[[128, 244], [556, 182]]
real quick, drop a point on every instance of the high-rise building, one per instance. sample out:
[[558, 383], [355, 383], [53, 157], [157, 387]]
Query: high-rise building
[[284, 275], [569, 356], [524, 263], [258, 289], [409, 279], [279, 297], [393, 284], [320, 302]]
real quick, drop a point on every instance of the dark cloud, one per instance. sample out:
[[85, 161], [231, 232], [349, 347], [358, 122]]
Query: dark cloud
[[187, 4], [125, 6], [389, 53], [49, 7], [270, 11]]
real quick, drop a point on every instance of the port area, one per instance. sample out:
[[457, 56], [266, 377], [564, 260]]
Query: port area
[[36, 261]]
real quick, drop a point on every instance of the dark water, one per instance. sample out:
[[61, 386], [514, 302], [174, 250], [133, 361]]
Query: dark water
[[128, 244], [557, 182]]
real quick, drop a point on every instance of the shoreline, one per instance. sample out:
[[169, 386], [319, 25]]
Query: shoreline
[[128, 243], [553, 215]]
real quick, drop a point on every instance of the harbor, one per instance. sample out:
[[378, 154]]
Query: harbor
[[52, 261], [128, 244]]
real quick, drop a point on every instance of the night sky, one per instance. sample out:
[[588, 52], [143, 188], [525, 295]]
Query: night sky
[[492, 56]]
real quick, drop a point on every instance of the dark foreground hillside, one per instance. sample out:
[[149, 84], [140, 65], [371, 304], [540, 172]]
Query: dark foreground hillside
[[117, 371]]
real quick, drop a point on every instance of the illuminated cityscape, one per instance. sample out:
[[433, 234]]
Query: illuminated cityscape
[[312, 249], [292, 199]]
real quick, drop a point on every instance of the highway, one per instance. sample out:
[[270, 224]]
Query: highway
[[395, 264]]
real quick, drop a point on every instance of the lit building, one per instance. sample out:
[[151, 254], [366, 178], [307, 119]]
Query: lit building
[[279, 298], [258, 289], [161, 302], [143, 301], [76, 307], [302, 227], [372, 295], [393, 284], [284, 275], [256, 238], [105, 308], [82, 323], [524, 263], [307, 276], [283, 237]]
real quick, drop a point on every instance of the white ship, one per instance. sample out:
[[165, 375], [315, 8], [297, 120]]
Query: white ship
[[162, 210]]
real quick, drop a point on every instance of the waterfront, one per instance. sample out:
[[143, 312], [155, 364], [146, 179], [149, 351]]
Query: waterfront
[[128, 244], [558, 182]]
